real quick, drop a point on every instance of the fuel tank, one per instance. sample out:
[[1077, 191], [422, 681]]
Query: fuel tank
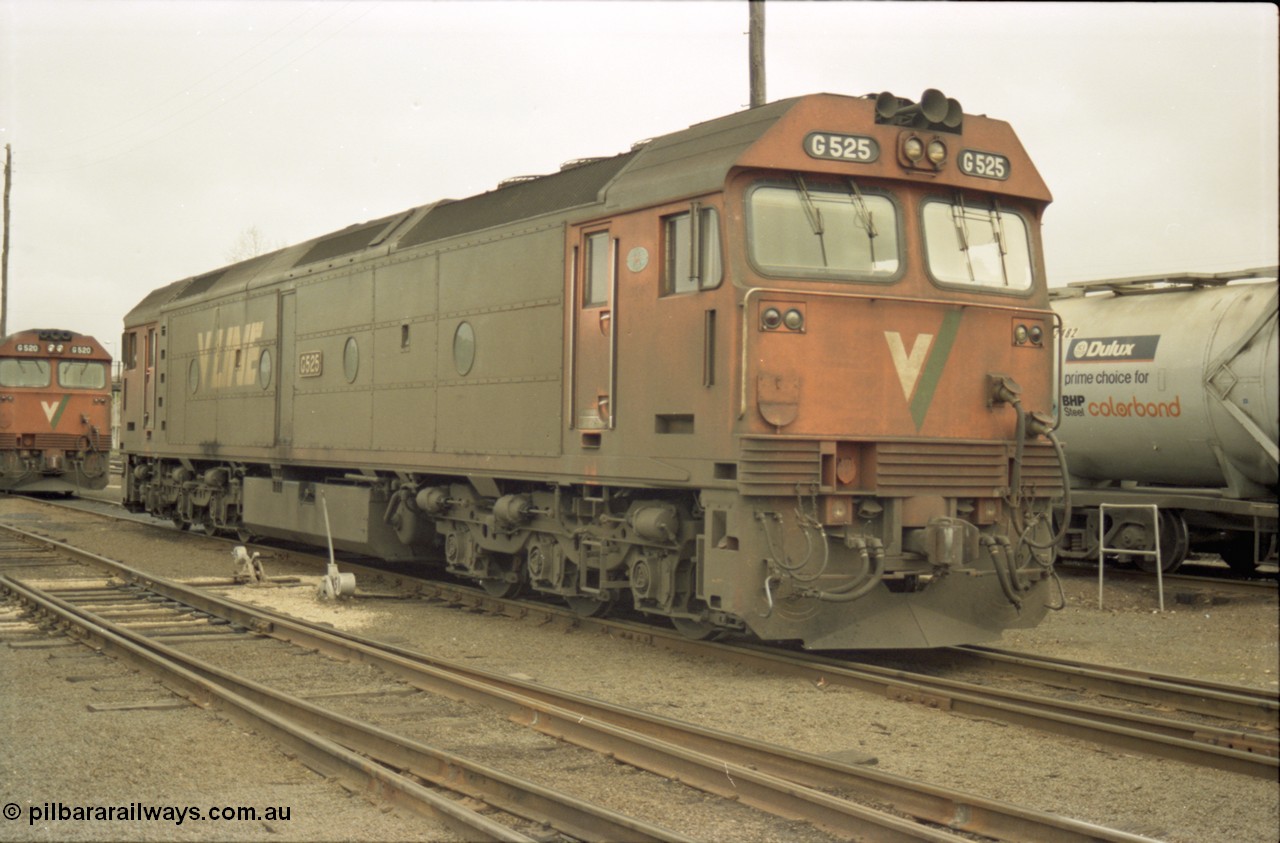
[[1172, 383]]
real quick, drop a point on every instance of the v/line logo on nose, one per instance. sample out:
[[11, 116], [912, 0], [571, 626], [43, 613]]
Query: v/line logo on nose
[[920, 369], [53, 410]]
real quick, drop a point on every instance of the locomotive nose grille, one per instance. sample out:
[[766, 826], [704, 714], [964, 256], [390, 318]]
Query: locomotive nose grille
[[63, 442], [769, 466]]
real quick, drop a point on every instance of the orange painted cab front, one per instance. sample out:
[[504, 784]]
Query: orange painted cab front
[[55, 411]]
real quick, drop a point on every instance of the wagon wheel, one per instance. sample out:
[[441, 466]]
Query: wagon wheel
[[1174, 543]]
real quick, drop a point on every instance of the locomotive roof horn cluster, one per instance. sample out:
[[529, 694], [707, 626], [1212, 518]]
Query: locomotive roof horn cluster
[[934, 111]]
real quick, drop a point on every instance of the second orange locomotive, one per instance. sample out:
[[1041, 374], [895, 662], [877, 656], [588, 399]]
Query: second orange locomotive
[[775, 373], [55, 412]]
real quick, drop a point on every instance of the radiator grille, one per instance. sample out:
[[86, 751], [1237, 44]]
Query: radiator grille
[[56, 442], [931, 468], [777, 466], [900, 469]]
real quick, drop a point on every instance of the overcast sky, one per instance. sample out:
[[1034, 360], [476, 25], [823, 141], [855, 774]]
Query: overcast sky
[[149, 137]]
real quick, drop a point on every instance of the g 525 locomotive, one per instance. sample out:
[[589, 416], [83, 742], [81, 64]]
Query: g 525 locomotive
[[784, 372], [55, 412]]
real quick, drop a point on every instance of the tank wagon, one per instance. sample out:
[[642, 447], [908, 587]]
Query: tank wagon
[[783, 373], [1170, 398], [55, 412]]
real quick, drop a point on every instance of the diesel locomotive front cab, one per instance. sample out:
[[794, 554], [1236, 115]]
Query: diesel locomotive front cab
[[55, 412], [895, 468]]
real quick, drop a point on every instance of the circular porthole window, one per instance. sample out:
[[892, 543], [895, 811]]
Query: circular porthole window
[[464, 347], [264, 368], [193, 376], [351, 360]]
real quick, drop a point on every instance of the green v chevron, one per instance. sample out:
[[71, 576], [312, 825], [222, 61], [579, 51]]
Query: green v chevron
[[920, 369]]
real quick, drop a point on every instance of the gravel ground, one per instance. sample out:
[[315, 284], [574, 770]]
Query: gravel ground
[[1235, 642]]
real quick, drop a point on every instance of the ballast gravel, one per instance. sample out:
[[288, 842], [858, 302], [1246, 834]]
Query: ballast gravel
[[53, 749]]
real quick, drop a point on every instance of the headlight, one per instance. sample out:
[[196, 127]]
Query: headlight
[[913, 149], [937, 151]]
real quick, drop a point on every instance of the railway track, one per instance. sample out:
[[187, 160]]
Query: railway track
[[1190, 584], [1245, 742], [156, 621], [1224, 727]]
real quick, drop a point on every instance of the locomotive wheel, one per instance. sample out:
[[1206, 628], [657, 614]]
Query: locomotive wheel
[[502, 588], [696, 630], [1174, 543], [590, 607]]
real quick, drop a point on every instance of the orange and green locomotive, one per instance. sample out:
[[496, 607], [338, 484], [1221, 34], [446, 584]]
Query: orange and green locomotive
[[783, 373]]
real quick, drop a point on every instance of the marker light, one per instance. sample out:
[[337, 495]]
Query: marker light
[[771, 318], [1037, 334], [1020, 334], [794, 320]]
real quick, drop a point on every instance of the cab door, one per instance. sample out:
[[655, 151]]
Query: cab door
[[288, 361], [594, 334], [149, 383]]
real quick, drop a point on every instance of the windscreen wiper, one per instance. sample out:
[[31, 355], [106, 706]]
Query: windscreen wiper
[[814, 215]]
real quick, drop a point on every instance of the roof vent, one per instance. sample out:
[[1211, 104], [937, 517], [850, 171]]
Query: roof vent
[[516, 180], [580, 162]]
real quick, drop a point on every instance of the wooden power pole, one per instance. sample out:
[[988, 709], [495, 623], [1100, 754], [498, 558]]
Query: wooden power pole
[[755, 38], [4, 249]]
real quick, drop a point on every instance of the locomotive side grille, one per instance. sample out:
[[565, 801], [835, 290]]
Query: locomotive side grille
[[901, 469], [777, 466], [55, 442]]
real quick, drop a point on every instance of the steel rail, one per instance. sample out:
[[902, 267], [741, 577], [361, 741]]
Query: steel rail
[[1182, 582], [780, 781], [318, 753], [714, 775], [1182, 692], [1234, 750], [508, 793], [1191, 743]]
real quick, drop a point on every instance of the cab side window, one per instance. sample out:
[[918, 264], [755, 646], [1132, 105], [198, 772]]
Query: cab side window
[[596, 290], [691, 247]]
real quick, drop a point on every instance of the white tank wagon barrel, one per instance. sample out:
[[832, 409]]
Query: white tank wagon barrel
[[1170, 397]]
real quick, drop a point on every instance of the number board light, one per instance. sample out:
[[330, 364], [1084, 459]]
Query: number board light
[[985, 165], [831, 146]]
